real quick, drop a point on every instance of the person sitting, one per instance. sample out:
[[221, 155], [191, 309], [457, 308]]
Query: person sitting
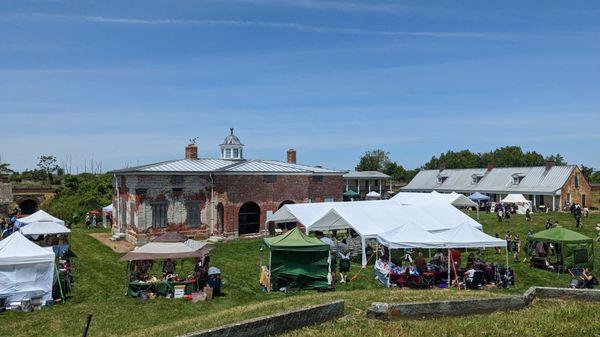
[[420, 263], [548, 224], [471, 259], [587, 279], [168, 267], [468, 275]]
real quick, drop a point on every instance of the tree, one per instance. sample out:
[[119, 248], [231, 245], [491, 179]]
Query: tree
[[375, 160], [5, 170], [506, 156], [587, 172], [48, 165], [558, 159]]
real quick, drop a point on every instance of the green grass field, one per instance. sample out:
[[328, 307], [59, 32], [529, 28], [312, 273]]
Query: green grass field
[[101, 279]]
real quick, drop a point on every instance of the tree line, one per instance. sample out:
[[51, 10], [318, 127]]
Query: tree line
[[507, 156]]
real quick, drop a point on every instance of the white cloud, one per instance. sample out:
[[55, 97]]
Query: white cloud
[[342, 6], [275, 25]]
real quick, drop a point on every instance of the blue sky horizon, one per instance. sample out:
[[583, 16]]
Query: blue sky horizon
[[127, 83]]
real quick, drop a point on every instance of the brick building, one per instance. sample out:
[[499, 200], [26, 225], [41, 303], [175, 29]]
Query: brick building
[[229, 196], [595, 201], [556, 187]]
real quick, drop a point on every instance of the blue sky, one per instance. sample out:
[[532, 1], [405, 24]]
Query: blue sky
[[130, 82]]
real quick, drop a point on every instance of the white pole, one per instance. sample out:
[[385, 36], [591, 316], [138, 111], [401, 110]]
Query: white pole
[[478, 210], [448, 268], [364, 251], [554, 201]]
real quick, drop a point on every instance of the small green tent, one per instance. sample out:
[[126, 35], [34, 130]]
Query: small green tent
[[576, 249], [298, 261]]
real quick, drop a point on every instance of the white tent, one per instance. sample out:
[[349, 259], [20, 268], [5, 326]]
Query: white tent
[[465, 236], [373, 196], [107, 209], [408, 236], [26, 269], [44, 228], [305, 214], [518, 199], [39, 216], [456, 199]]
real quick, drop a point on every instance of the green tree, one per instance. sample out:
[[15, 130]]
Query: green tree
[[48, 165], [587, 171], [558, 159], [5, 169], [375, 160]]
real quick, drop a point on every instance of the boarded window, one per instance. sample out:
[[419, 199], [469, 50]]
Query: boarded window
[[132, 214], [193, 213], [270, 179], [123, 210], [576, 181], [317, 178], [159, 214], [176, 180]]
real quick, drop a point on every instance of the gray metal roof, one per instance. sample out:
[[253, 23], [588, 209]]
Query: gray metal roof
[[209, 165], [366, 175], [536, 179]]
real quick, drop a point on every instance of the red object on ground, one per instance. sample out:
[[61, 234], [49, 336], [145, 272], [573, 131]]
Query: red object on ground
[[94, 212]]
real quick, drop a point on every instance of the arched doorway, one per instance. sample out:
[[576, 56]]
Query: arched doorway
[[286, 202], [220, 218], [28, 206], [249, 218]]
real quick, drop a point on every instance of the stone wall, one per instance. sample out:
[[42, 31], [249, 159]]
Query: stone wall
[[576, 192], [422, 310], [273, 324]]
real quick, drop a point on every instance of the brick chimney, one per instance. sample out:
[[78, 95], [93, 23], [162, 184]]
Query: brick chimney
[[357, 168], [291, 156], [490, 166], [191, 151], [549, 164]]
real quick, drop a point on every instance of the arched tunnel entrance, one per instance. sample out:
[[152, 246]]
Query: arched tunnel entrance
[[28, 206]]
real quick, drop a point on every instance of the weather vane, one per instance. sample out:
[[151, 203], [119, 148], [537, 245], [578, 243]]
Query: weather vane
[[193, 140]]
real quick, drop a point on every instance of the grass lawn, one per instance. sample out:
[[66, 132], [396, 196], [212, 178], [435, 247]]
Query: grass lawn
[[101, 279]]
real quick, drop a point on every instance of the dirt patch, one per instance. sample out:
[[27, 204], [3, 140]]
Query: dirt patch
[[121, 246]]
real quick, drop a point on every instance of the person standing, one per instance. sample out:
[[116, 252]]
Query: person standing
[[528, 215], [577, 214], [88, 220], [94, 221], [500, 213], [516, 247]]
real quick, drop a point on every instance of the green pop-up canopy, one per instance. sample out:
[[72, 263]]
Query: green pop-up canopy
[[577, 250], [298, 261], [351, 194]]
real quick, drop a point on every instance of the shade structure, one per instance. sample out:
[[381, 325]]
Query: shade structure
[[39, 216], [522, 203], [171, 237], [297, 260], [351, 194], [577, 250], [44, 228], [26, 269], [466, 236], [373, 195], [166, 250], [408, 236], [478, 197], [304, 214]]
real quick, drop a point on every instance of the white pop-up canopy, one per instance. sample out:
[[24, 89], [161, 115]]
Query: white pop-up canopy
[[455, 199], [305, 214], [518, 199], [465, 236], [108, 208], [44, 228], [26, 269], [39, 216]]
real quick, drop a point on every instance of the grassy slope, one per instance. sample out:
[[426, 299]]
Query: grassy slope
[[101, 278]]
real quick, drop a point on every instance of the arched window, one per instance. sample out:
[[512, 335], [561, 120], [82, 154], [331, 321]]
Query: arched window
[[286, 202], [249, 218], [220, 218]]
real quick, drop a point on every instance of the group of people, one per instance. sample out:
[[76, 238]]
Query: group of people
[[505, 211], [90, 220], [340, 250], [577, 212], [7, 226]]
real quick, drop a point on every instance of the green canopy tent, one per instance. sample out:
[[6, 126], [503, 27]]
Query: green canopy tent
[[575, 250], [350, 194], [298, 261]]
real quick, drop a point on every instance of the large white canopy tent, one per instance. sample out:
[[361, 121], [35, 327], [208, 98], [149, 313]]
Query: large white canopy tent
[[461, 236], [39, 216], [44, 228], [26, 269], [522, 203], [455, 199]]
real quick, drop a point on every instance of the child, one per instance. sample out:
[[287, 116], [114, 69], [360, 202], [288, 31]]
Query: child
[[528, 215], [344, 265]]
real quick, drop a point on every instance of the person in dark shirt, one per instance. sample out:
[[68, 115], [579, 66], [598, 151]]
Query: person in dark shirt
[[420, 263]]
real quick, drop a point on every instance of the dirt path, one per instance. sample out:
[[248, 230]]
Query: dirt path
[[121, 246]]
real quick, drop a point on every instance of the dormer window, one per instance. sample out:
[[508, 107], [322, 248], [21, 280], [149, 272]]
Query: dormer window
[[517, 177], [441, 179], [475, 179]]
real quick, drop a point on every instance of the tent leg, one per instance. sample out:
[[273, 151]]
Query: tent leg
[[478, 210], [364, 251], [448, 268]]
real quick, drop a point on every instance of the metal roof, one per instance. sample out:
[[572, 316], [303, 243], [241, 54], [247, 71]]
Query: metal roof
[[366, 175], [536, 179], [209, 165]]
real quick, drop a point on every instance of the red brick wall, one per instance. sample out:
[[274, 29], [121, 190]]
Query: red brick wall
[[576, 193]]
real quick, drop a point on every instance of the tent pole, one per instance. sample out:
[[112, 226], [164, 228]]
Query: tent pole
[[448, 268], [478, 210], [364, 251]]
